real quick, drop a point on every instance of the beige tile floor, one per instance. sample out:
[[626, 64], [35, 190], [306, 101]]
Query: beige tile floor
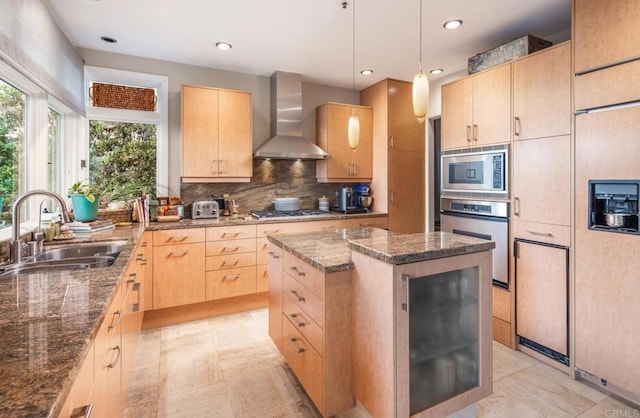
[[228, 367]]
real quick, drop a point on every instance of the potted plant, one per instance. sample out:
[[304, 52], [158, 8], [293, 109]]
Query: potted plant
[[85, 199]]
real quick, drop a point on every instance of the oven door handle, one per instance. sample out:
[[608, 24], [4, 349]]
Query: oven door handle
[[475, 216]]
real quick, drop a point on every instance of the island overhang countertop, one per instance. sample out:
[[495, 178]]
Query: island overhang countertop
[[330, 251]]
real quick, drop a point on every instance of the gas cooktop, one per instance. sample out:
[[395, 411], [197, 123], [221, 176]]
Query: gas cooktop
[[274, 214]]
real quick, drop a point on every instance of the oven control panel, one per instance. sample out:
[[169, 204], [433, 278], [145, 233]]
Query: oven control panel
[[476, 207]]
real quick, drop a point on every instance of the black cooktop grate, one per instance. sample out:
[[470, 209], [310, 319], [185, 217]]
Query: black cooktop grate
[[287, 213]]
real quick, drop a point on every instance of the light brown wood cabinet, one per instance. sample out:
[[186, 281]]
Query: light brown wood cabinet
[[231, 261], [109, 400], [421, 338], [345, 164], [398, 184], [541, 185], [605, 33], [313, 332], [178, 267], [542, 310], [132, 311], [81, 395], [606, 263], [144, 254], [476, 109], [542, 93], [216, 135]]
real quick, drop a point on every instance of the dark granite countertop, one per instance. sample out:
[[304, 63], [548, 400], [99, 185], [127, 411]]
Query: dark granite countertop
[[48, 320], [331, 251], [403, 249], [327, 251], [47, 323], [250, 220]]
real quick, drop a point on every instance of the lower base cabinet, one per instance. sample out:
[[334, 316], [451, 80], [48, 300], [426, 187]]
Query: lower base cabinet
[[310, 323], [421, 335], [80, 399]]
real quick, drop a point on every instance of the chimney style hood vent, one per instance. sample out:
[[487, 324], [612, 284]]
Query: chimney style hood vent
[[286, 140]]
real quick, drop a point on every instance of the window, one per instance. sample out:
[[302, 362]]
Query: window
[[54, 141], [13, 117], [128, 148], [122, 158]]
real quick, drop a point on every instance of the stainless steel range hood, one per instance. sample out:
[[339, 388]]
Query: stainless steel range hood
[[286, 140]]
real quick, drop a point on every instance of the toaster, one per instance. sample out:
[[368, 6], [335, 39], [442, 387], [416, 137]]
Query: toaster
[[205, 209]]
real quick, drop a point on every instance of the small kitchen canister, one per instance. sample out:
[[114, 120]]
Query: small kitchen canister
[[323, 203]]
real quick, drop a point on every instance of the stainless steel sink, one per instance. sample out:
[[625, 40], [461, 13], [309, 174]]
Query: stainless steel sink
[[74, 263], [109, 248], [68, 257]]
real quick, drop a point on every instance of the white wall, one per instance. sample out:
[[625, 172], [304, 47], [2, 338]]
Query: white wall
[[178, 74]]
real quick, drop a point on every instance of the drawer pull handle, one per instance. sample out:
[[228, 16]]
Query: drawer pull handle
[[230, 277], [293, 341], [298, 324], [115, 362], [139, 257], [265, 273], [544, 234], [300, 298], [115, 324], [82, 411], [270, 231], [182, 254], [143, 244], [231, 234], [230, 249], [177, 239], [274, 255], [230, 263], [298, 272]]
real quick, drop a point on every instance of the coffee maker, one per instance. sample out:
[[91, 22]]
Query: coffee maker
[[346, 200], [362, 196]]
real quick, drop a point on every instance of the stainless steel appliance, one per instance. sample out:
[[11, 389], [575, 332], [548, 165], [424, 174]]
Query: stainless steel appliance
[[205, 209], [361, 196], [345, 201], [481, 219], [287, 214], [613, 205], [476, 170]]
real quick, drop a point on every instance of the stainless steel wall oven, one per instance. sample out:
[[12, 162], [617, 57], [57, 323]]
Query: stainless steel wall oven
[[481, 219]]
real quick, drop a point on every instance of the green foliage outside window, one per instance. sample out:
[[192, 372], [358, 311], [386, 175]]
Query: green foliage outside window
[[12, 123], [122, 159]]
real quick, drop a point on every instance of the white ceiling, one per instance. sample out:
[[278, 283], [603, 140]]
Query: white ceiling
[[310, 37]]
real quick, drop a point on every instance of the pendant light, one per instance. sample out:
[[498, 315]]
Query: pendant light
[[420, 94], [353, 129]]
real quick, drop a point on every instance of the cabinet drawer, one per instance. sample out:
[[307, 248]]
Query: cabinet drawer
[[262, 230], [305, 325], [380, 222], [178, 236], [262, 278], [262, 251], [305, 362], [301, 296], [231, 232], [227, 247], [230, 282], [501, 304], [309, 276], [218, 262], [551, 234]]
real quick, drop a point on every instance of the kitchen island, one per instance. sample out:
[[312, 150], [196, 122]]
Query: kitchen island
[[407, 318]]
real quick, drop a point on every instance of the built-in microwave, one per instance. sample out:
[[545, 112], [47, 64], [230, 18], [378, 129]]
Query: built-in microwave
[[476, 170]]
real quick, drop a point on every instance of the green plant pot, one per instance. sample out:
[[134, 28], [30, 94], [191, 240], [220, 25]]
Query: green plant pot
[[83, 210]]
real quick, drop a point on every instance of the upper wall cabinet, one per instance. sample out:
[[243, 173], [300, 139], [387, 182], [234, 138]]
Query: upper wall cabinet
[[605, 35], [542, 93], [477, 109], [216, 135], [345, 165]]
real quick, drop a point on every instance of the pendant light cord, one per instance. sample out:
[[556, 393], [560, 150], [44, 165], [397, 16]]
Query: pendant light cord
[[353, 44], [420, 36]]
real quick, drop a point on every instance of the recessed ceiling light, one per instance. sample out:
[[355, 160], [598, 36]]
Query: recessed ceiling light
[[223, 45], [452, 24], [366, 71], [108, 39], [436, 71]]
